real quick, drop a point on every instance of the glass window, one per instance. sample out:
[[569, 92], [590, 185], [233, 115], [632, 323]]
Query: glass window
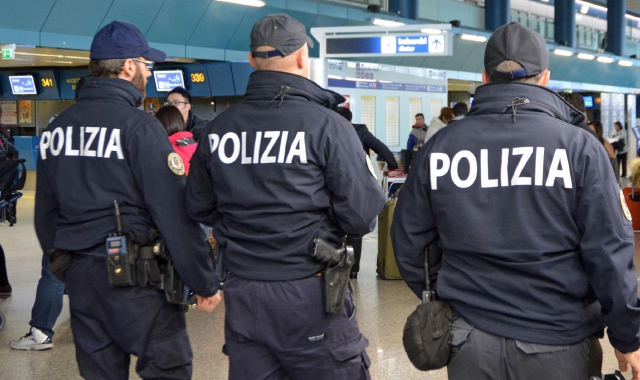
[[368, 112], [393, 121]]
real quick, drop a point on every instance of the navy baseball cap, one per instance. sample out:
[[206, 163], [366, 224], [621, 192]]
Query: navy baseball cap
[[119, 40], [516, 42], [280, 31]]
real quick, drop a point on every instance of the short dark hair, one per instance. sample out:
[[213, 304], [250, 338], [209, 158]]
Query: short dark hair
[[106, 68], [575, 100], [622, 126], [171, 119], [460, 109], [181, 91], [344, 112], [420, 114]]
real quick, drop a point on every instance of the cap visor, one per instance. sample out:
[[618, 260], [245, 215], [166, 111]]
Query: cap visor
[[155, 55], [310, 42]]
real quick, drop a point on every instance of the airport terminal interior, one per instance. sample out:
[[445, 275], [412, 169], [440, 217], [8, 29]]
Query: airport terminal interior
[[390, 59]]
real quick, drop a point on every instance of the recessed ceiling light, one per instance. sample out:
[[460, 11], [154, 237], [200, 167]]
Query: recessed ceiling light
[[586, 56], [473, 37], [562, 52], [625, 63], [249, 3], [385, 22], [605, 59]]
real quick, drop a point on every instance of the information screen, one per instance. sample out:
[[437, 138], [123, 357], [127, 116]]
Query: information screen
[[167, 80], [23, 85], [588, 101]]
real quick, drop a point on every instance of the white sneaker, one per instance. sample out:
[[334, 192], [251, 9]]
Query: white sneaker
[[35, 340]]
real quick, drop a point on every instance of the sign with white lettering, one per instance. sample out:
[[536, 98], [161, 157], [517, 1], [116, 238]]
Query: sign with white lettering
[[388, 45]]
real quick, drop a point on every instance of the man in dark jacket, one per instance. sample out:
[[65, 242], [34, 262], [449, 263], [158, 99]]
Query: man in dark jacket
[[181, 99], [277, 171], [369, 142], [535, 235], [101, 150]]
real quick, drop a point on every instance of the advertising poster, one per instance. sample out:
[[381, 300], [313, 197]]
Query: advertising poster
[[152, 105], [8, 112], [25, 112]]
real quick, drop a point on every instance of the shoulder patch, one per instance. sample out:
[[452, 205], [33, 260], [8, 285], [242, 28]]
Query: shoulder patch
[[175, 164], [625, 208], [373, 173]]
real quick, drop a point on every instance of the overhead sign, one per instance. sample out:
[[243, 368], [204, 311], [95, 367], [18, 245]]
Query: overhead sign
[[8, 54], [388, 45], [23, 85], [167, 80]]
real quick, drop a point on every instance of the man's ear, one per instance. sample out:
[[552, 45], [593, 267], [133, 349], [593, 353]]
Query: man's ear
[[485, 77], [544, 80], [252, 61], [128, 70]]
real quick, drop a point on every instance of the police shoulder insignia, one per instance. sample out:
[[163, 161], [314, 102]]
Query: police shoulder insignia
[[625, 208], [175, 164], [366, 158]]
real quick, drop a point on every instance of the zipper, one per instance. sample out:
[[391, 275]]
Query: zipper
[[555, 112]]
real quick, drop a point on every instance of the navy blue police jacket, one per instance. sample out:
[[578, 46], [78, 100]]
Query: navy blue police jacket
[[103, 149], [532, 226], [278, 170]]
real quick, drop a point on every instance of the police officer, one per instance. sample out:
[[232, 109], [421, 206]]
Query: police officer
[[536, 238], [101, 150], [272, 174]]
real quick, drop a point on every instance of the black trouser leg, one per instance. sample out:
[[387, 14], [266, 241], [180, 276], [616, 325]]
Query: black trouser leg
[[622, 163], [356, 243], [4, 280]]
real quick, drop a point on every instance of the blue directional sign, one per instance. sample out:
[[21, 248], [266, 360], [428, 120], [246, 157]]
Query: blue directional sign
[[417, 44], [23, 85], [167, 80]]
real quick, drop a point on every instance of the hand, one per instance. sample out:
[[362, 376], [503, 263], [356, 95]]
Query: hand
[[209, 303], [631, 358]]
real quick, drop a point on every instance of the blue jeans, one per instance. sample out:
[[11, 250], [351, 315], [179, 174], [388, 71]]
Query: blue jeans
[[48, 303]]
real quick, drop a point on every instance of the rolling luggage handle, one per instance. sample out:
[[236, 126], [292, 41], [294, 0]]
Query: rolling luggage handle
[[385, 180]]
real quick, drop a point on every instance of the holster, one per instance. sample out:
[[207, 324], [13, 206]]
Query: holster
[[59, 262], [154, 265], [336, 273]]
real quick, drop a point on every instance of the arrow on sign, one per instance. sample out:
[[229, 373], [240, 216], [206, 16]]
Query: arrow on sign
[[437, 42]]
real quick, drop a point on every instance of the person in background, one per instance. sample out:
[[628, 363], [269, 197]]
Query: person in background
[[417, 137], [597, 127], [49, 297], [577, 101], [621, 144], [369, 142], [183, 142], [437, 123], [181, 99], [460, 110], [418, 133]]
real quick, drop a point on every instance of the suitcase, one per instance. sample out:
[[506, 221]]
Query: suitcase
[[386, 263]]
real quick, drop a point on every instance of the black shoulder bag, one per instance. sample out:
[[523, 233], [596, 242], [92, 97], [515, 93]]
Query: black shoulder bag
[[427, 333]]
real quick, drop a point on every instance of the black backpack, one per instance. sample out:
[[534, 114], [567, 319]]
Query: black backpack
[[8, 172]]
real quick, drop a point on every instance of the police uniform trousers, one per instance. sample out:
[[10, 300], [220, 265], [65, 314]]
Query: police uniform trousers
[[278, 330], [110, 324], [479, 355]]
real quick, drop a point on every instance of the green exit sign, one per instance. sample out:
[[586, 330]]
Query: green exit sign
[[8, 54]]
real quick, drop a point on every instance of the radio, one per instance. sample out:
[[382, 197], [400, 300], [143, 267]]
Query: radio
[[121, 262]]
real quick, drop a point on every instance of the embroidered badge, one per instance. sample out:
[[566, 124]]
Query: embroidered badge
[[315, 338], [625, 208], [175, 164], [366, 158]]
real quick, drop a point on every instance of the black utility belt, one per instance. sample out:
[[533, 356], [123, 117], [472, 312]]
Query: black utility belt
[[143, 260]]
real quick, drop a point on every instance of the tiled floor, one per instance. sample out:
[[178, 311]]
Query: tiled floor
[[383, 308]]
